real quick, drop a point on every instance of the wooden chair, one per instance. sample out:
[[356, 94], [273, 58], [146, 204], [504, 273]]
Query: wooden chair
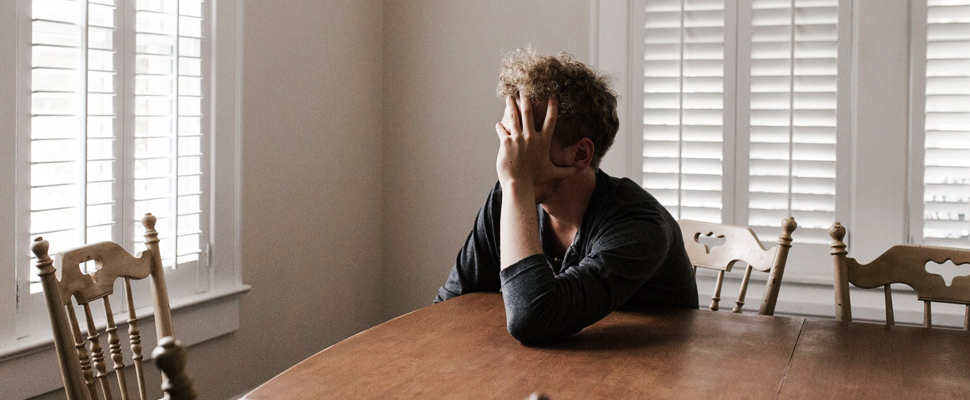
[[82, 365], [740, 244], [905, 264]]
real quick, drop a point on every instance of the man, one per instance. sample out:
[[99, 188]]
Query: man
[[575, 243]]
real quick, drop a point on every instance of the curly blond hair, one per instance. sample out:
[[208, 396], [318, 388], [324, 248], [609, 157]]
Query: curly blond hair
[[587, 105]]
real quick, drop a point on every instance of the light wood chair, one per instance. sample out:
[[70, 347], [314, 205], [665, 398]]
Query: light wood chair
[[905, 264], [81, 355], [740, 244]]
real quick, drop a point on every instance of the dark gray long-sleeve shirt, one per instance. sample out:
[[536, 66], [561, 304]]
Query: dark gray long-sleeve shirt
[[628, 254]]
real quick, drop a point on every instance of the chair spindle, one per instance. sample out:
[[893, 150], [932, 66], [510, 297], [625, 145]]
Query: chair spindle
[[966, 319], [82, 352], [163, 311], [134, 338], [63, 340], [840, 273], [890, 319], [739, 303], [97, 354], [773, 286], [716, 297], [927, 315], [114, 347]]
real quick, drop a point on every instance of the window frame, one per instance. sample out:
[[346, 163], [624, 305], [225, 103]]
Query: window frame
[[25, 350]]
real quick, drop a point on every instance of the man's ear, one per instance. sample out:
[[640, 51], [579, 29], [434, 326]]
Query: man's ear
[[583, 153]]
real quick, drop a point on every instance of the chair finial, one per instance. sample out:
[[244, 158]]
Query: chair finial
[[837, 232], [148, 221], [40, 248], [151, 235], [789, 225], [44, 264]]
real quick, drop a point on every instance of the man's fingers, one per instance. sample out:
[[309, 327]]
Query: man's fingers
[[513, 111], [501, 131], [562, 172], [506, 118], [526, 107], [552, 115]]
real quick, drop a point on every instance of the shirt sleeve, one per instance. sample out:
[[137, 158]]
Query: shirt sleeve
[[542, 305], [476, 267]]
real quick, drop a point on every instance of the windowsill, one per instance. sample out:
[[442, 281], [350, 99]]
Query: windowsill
[[29, 366]]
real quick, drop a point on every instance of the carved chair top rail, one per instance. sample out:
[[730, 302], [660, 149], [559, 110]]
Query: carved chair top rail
[[906, 264], [113, 262], [741, 244]]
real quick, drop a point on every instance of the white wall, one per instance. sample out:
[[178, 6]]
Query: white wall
[[441, 62]]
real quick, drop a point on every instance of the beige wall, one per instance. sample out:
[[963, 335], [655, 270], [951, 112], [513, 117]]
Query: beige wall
[[311, 189], [441, 60]]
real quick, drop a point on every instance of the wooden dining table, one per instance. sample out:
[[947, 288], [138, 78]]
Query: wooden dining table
[[461, 349]]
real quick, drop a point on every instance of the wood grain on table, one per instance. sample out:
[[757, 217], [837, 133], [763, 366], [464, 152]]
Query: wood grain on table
[[460, 349], [844, 360]]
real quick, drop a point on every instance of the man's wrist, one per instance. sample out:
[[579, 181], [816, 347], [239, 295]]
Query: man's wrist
[[516, 185]]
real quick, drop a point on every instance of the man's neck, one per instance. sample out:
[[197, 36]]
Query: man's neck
[[567, 206]]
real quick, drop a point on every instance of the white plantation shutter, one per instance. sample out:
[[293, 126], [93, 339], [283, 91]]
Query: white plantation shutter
[[945, 83], [684, 105], [793, 121], [168, 125], [75, 135], [117, 126], [740, 112]]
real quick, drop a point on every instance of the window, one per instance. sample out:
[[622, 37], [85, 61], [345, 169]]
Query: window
[[831, 110], [941, 123], [740, 111], [109, 112], [117, 128]]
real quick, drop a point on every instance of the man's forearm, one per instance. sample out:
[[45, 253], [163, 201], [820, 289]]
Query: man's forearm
[[519, 224]]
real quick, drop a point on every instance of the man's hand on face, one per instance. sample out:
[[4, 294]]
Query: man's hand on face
[[524, 151]]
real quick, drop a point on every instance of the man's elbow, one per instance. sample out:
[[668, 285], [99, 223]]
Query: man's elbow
[[529, 329], [525, 332]]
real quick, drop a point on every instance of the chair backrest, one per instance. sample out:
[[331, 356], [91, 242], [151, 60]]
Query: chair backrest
[[741, 244], [905, 264], [81, 355]]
